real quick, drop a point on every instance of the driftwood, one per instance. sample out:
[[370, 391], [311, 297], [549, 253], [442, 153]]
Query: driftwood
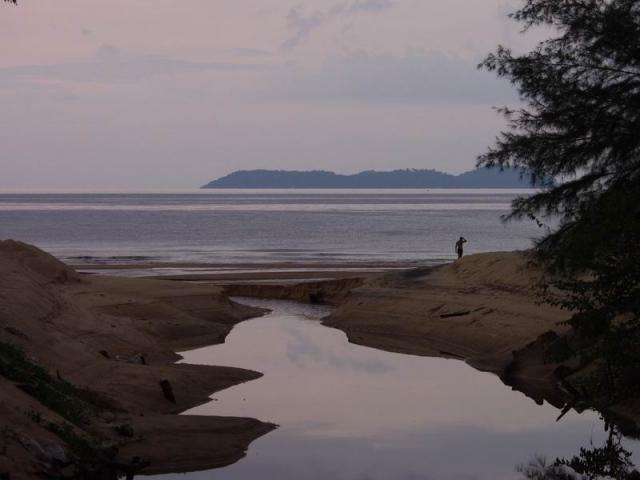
[[167, 391], [456, 314]]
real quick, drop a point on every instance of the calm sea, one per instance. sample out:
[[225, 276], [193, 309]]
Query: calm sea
[[223, 226]]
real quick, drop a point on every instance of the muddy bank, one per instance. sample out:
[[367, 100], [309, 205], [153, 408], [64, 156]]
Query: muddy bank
[[328, 292], [82, 359]]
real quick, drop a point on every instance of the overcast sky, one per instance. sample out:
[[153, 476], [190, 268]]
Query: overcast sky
[[117, 94]]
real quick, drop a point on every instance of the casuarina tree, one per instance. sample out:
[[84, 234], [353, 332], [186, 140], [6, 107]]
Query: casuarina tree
[[577, 132]]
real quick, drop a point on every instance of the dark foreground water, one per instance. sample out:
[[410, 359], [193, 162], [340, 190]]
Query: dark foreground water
[[348, 412], [258, 226]]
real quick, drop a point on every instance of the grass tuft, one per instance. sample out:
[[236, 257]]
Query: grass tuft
[[74, 404]]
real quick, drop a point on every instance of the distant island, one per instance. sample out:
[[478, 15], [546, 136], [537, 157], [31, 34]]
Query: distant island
[[408, 178]]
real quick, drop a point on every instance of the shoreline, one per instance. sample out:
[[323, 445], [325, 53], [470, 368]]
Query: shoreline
[[96, 351], [223, 273], [483, 309], [248, 265], [117, 336]]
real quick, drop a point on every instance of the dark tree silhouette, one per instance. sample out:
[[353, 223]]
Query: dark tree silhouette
[[581, 122], [611, 460], [578, 134]]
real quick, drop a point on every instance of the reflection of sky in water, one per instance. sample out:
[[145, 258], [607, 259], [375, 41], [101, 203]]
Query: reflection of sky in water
[[351, 412]]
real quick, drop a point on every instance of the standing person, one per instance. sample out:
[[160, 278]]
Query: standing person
[[460, 246]]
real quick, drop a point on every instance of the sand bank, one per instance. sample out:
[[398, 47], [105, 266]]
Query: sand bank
[[94, 330], [116, 337], [483, 309], [480, 309]]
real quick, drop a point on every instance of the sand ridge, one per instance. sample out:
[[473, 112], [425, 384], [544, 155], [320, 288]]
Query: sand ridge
[[93, 332], [480, 309]]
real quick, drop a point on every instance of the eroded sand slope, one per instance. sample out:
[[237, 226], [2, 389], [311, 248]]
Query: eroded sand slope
[[93, 332], [480, 309]]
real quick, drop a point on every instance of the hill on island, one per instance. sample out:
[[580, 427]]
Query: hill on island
[[409, 178]]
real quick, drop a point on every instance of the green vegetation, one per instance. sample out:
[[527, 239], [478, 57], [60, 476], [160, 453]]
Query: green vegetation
[[78, 445], [7, 435], [72, 403], [407, 178], [76, 405], [580, 126], [578, 134], [611, 460]]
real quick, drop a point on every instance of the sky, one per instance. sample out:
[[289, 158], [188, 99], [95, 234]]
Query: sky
[[161, 94]]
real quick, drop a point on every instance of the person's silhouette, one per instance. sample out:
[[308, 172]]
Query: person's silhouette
[[460, 246]]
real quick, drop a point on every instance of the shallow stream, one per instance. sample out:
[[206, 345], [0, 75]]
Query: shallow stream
[[348, 412]]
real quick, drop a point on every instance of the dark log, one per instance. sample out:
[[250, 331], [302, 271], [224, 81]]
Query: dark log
[[167, 391]]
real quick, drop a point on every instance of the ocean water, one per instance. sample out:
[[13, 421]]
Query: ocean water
[[226, 226]]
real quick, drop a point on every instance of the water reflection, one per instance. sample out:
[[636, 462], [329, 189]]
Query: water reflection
[[350, 412], [609, 460]]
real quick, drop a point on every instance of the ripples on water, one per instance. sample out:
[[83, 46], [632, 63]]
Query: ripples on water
[[272, 226], [348, 412]]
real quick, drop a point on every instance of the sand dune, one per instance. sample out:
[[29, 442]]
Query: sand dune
[[93, 332]]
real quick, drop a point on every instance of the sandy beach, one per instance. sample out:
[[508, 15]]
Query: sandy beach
[[117, 337], [350, 240], [484, 309]]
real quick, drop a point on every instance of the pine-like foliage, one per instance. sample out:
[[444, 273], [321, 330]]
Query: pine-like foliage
[[580, 124]]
